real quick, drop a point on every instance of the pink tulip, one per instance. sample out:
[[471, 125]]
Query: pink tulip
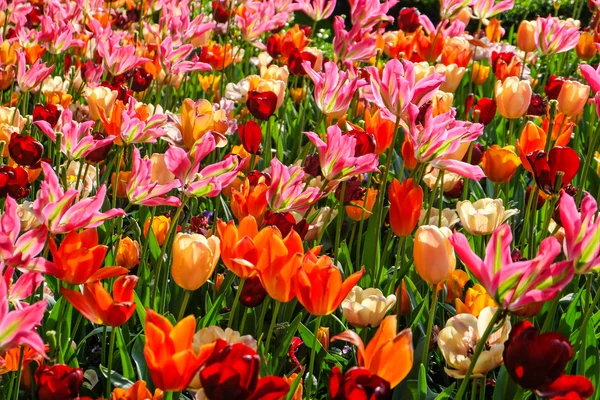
[[352, 46], [368, 13], [23, 288], [142, 190], [257, 18], [582, 232], [592, 76], [486, 9], [449, 8], [336, 157], [515, 284], [32, 78], [116, 58], [135, 130], [317, 10], [172, 58], [334, 89], [287, 190], [59, 211], [59, 35], [553, 36]]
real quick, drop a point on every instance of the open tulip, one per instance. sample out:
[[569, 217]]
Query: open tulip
[[483, 216], [547, 167], [449, 218], [572, 98], [194, 259], [382, 130], [459, 338], [363, 308], [251, 199], [476, 300], [406, 200], [199, 118], [512, 97], [385, 345], [455, 285], [433, 254]]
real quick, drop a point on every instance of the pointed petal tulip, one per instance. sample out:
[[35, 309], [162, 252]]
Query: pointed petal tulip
[[406, 200], [287, 191], [547, 167], [317, 10], [142, 190], [553, 35], [238, 250]]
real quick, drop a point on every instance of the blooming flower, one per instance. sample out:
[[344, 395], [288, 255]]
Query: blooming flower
[[317, 10], [483, 216], [366, 307], [554, 36], [354, 45], [486, 9], [142, 190], [287, 190], [30, 79]]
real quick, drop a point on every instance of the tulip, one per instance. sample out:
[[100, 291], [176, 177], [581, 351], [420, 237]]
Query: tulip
[[526, 36], [433, 254], [562, 130], [534, 138], [98, 306], [586, 50], [382, 130], [79, 257], [449, 218], [194, 259], [487, 110], [500, 163], [512, 97], [287, 190], [406, 200], [403, 305], [238, 250], [537, 362], [453, 74], [25, 150], [123, 178], [251, 136], [363, 308], [361, 209], [483, 216], [128, 253], [385, 345], [138, 391], [441, 102], [211, 334], [547, 167], [319, 287], [505, 64], [481, 73], [58, 382], [455, 285], [160, 226], [250, 200], [169, 349], [358, 382], [553, 36], [538, 106], [572, 98], [31, 78], [199, 118], [286, 222], [160, 173], [458, 340], [100, 101], [261, 104], [476, 300], [317, 10], [143, 190], [253, 292], [457, 50]]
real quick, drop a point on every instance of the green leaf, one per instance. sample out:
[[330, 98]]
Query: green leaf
[[211, 315], [587, 358], [293, 388], [128, 371], [505, 387], [446, 394], [137, 353], [140, 310], [572, 319], [282, 349], [422, 383], [309, 340], [117, 380]]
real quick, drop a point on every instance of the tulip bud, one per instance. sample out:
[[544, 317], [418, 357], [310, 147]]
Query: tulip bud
[[261, 104], [512, 97], [253, 292], [500, 163], [194, 259], [128, 253], [408, 155], [433, 254], [526, 36], [160, 227], [453, 74], [480, 74], [356, 212], [218, 282], [572, 98], [586, 50], [251, 136], [403, 306], [323, 337]]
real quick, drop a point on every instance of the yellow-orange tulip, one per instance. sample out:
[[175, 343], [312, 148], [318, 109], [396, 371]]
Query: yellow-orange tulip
[[356, 212], [433, 254], [100, 101], [455, 285], [500, 163], [494, 30], [194, 259], [323, 336], [480, 73], [586, 50], [453, 74], [199, 118], [124, 178], [385, 346], [441, 103], [476, 300], [138, 391], [512, 97], [526, 36], [572, 98], [160, 227], [128, 253]]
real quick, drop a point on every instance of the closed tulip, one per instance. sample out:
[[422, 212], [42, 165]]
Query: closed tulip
[[406, 200], [128, 253], [160, 227], [194, 259], [480, 74], [362, 208], [512, 97], [483, 216], [238, 250], [363, 308], [572, 98], [453, 74], [500, 163], [433, 254], [476, 299], [586, 50], [526, 36]]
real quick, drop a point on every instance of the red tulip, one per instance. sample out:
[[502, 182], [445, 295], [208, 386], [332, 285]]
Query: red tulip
[[546, 167], [553, 87], [469, 102], [261, 104], [13, 182], [220, 14], [353, 191], [253, 292], [273, 47], [140, 79], [476, 154], [487, 110], [58, 382], [251, 136], [296, 59], [285, 222], [537, 106], [408, 19], [100, 153], [365, 143], [358, 383], [312, 165], [568, 387], [49, 113], [25, 150], [232, 372]]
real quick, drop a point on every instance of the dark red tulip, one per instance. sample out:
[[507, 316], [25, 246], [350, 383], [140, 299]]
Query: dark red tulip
[[273, 47], [469, 100], [456, 191], [476, 154], [553, 87], [25, 150], [251, 136], [353, 191], [285, 222], [546, 167], [357, 383], [408, 19], [261, 104], [139, 79], [49, 113], [118, 84], [296, 59], [253, 292], [58, 382], [100, 153], [232, 372], [422, 113], [365, 143], [516, 255], [68, 62], [312, 165], [487, 110], [293, 350], [307, 30], [220, 14], [538, 105], [254, 177], [13, 182], [568, 387]]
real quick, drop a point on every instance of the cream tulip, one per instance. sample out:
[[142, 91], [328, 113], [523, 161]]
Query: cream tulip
[[449, 218], [512, 97], [458, 340], [450, 179], [483, 216], [433, 254], [453, 74], [194, 259], [366, 307], [100, 100], [423, 70]]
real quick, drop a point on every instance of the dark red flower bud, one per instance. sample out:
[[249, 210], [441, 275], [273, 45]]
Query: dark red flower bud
[[118, 84], [49, 113], [261, 104], [353, 191], [307, 30], [296, 59], [253, 292], [220, 14], [58, 382], [487, 110], [273, 47], [547, 167], [254, 176], [469, 100], [476, 154], [516, 255], [312, 165], [365, 143], [285, 222], [538, 105], [408, 19], [13, 182], [358, 383], [251, 136], [456, 191], [25, 150], [139, 79], [553, 87], [100, 153], [422, 113], [68, 62]]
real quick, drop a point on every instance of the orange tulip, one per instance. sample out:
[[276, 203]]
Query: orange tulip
[[402, 296], [526, 36], [97, 305], [138, 391], [406, 200], [160, 226], [170, 353], [455, 285], [238, 250], [124, 178], [385, 346], [278, 262], [319, 286], [572, 98], [433, 254], [408, 155], [382, 130], [218, 56], [457, 50], [128, 253], [250, 200], [533, 137], [429, 47], [356, 213], [399, 44], [290, 380], [586, 50], [494, 30], [79, 257], [500, 163], [10, 359], [476, 300], [323, 336], [562, 129]]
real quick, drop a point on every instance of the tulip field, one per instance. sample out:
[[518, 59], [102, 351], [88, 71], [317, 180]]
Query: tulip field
[[299, 199]]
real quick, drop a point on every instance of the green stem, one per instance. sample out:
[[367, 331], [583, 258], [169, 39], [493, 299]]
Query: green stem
[[19, 372], [582, 330], [110, 358], [340, 219], [272, 325], [313, 354], [586, 164], [399, 262], [236, 300], [186, 299], [424, 358]]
